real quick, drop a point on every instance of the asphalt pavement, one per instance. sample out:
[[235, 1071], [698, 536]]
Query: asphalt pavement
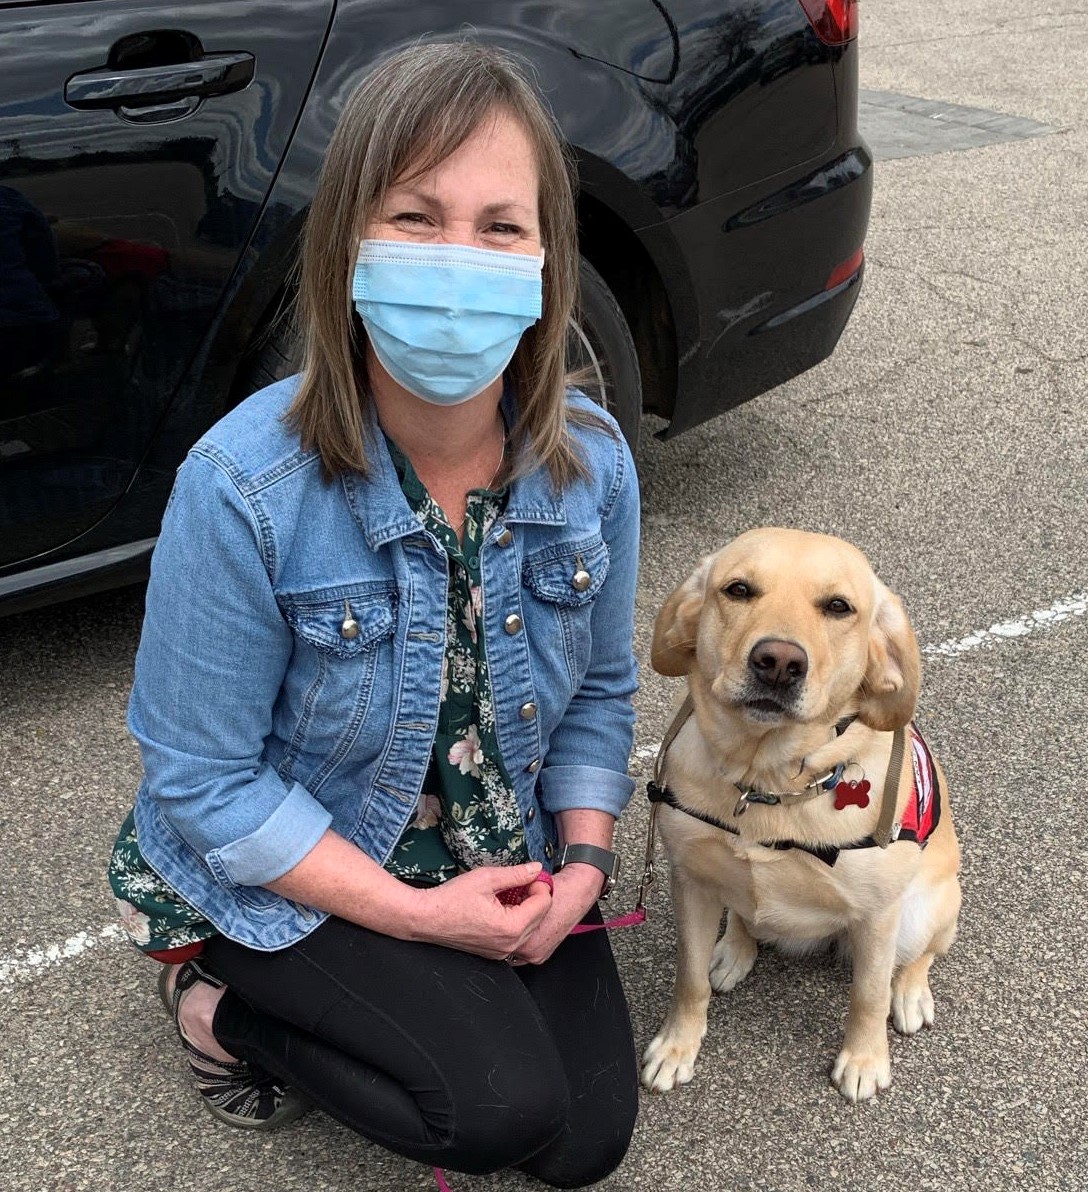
[[947, 438]]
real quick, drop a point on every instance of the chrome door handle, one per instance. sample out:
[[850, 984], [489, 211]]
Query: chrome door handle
[[214, 74]]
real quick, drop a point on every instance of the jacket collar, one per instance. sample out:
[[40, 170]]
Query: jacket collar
[[383, 514]]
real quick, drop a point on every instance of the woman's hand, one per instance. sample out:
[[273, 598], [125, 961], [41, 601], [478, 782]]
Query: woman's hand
[[465, 912], [575, 888]]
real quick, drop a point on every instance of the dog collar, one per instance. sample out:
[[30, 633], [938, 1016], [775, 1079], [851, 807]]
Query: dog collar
[[811, 790]]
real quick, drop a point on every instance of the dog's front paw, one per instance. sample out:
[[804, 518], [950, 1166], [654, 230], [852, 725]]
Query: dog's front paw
[[669, 1061], [734, 955], [912, 1007], [860, 1075]]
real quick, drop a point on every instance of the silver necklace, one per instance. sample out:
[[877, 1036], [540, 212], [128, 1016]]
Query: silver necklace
[[498, 468]]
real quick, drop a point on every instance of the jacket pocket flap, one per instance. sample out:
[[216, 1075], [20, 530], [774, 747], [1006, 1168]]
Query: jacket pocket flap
[[569, 573], [343, 621]]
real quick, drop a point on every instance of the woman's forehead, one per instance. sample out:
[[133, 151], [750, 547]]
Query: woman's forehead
[[497, 153]]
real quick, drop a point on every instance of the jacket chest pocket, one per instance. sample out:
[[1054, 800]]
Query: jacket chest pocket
[[563, 581], [343, 638]]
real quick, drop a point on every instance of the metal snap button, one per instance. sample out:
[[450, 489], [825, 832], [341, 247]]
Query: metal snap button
[[528, 711], [533, 766], [505, 538], [581, 580], [512, 624], [350, 627], [530, 815], [548, 850]]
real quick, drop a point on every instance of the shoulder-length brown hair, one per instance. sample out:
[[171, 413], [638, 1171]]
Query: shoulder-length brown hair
[[411, 113]]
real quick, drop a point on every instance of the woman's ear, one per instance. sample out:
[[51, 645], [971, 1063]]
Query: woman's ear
[[889, 691], [677, 623]]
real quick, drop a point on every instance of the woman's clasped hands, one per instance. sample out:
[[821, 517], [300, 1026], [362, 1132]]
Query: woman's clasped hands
[[469, 912]]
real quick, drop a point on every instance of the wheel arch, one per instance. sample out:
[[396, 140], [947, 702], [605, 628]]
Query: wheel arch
[[618, 255]]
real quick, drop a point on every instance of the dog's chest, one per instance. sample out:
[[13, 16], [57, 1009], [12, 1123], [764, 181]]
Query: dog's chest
[[780, 894], [791, 894]]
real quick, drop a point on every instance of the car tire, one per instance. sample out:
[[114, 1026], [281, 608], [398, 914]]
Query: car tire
[[600, 351]]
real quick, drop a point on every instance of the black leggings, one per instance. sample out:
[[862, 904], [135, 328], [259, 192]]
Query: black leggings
[[443, 1057]]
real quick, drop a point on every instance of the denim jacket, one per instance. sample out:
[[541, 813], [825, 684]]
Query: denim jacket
[[261, 723]]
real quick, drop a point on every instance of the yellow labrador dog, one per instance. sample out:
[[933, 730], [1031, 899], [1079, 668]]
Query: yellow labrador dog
[[789, 798]]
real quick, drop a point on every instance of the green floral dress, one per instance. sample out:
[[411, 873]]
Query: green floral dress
[[467, 815]]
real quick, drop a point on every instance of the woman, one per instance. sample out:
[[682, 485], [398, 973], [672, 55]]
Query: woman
[[385, 675]]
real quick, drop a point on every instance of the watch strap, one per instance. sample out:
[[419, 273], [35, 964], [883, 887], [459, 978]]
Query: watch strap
[[591, 854]]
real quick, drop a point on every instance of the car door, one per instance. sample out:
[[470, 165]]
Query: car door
[[138, 144]]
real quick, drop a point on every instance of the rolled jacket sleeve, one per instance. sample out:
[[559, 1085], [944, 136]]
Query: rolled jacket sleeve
[[212, 658], [586, 764]]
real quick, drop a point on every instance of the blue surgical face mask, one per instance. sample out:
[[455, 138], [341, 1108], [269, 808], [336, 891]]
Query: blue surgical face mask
[[444, 319]]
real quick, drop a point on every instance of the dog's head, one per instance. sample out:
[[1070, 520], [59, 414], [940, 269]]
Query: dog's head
[[787, 626]]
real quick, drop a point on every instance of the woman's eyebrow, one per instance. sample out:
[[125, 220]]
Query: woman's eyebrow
[[511, 206], [400, 194]]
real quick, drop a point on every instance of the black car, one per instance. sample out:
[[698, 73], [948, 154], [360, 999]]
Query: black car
[[156, 163]]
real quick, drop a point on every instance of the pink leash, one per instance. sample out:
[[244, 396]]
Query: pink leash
[[633, 918]]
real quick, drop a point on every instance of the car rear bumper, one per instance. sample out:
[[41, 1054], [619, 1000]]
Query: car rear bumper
[[758, 267]]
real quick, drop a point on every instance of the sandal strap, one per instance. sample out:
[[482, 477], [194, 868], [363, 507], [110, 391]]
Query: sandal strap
[[234, 1090]]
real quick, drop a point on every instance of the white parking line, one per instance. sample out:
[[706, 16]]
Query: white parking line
[[1075, 605], [27, 962]]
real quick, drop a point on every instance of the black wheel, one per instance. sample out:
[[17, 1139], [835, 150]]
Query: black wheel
[[600, 350], [602, 353], [276, 353]]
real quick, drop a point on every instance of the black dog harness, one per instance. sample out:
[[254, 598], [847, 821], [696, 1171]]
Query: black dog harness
[[920, 817]]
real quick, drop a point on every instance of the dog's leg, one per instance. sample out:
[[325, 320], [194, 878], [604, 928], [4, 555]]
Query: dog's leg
[[912, 1001], [734, 955], [863, 1066], [670, 1058]]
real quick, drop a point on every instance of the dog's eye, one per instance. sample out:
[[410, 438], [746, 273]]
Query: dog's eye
[[837, 607], [737, 591]]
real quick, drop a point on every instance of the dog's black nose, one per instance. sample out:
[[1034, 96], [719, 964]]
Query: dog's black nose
[[778, 663]]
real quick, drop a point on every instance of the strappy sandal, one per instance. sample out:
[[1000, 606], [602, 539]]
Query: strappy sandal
[[234, 1091]]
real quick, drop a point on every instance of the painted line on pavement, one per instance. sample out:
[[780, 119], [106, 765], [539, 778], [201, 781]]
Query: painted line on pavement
[[1074, 605], [27, 962]]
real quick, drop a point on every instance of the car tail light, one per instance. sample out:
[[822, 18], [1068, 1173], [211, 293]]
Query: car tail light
[[846, 270], [835, 21]]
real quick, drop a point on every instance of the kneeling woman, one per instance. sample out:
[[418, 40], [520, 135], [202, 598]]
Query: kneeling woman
[[386, 669]]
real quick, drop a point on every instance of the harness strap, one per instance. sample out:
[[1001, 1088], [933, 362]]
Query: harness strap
[[657, 793], [671, 733], [829, 854], [882, 835]]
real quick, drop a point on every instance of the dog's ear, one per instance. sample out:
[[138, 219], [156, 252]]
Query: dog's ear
[[673, 647], [889, 690]]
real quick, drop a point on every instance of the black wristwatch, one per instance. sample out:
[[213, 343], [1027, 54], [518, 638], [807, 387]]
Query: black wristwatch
[[590, 854]]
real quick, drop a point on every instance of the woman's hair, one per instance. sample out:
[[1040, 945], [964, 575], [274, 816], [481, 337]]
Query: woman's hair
[[415, 110]]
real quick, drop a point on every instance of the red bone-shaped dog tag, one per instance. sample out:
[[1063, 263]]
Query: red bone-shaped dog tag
[[852, 794]]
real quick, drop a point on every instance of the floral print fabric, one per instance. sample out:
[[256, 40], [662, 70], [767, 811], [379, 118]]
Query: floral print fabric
[[153, 916], [468, 813]]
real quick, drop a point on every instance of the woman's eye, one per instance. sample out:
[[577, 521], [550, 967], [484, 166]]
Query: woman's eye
[[737, 591], [410, 217], [504, 229], [838, 607]]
